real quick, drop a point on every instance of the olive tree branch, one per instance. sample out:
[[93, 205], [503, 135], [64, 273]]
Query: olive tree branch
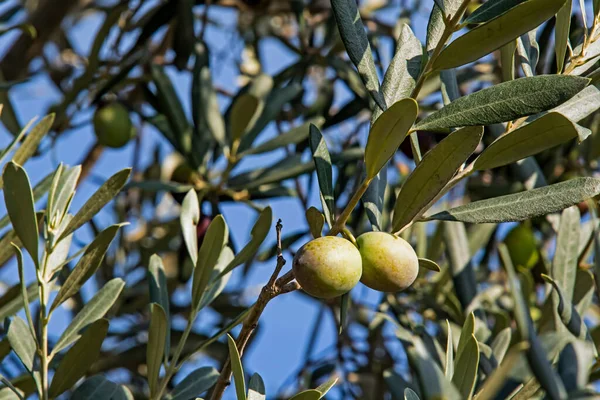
[[272, 289]]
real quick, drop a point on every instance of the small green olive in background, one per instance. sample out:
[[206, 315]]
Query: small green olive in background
[[112, 125], [389, 263], [522, 247], [327, 267]]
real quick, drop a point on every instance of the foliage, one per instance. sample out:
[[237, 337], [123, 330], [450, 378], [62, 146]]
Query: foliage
[[491, 119]]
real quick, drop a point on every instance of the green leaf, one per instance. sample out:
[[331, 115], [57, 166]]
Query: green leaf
[[434, 171], [256, 388], [189, 217], [449, 360], [20, 208], [528, 50], [409, 394], [435, 385], [171, 106], [316, 221], [155, 348], [217, 287], [87, 265], [507, 60], [564, 264], [24, 294], [92, 311], [21, 341], [561, 34], [436, 24], [236, 369], [12, 300], [494, 382], [345, 303], [310, 394], [491, 9], [581, 105], [98, 387], [326, 386], [426, 264], [524, 205], [544, 133], [400, 78], [467, 364], [322, 161], [99, 199], [61, 194], [373, 200], [501, 343], [196, 383], [352, 32], [245, 110], [159, 293], [497, 32], [32, 140], [205, 104], [212, 245], [295, 135], [505, 102], [387, 133], [79, 358], [567, 312], [259, 233]]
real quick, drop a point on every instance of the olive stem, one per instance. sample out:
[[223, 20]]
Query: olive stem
[[340, 223], [348, 235]]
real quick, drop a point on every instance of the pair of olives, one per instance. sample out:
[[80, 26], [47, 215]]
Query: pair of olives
[[330, 266]]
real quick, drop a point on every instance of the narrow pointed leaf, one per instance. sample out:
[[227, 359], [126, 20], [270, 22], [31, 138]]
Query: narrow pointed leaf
[[63, 190], [295, 135], [259, 232], [212, 245], [433, 173], [326, 386], [354, 36], [190, 215], [76, 362], [544, 133], [196, 383], [524, 205], [467, 364], [373, 199], [98, 387], [21, 341], [155, 348], [236, 369], [561, 34], [244, 112], [449, 360], [581, 105], [99, 199], [24, 294], [20, 208], [564, 264], [507, 60], [409, 394], [159, 293], [424, 263], [310, 394], [322, 161], [32, 140], [87, 265], [387, 133], [403, 71], [497, 32], [501, 343], [505, 102], [214, 290], [92, 311]]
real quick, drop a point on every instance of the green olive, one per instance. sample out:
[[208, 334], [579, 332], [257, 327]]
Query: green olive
[[113, 126], [522, 247], [389, 263], [327, 267]]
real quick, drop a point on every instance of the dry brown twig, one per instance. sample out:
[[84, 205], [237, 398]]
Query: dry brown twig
[[274, 287]]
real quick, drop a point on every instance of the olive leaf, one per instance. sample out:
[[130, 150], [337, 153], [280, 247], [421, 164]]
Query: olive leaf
[[79, 358], [189, 217], [159, 293], [434, 171], [316, 221], [155, 349], [245, 110], [215, 239], [491, 9], [195, 383], [98, 387], [427, 264], [561, 34], [467, 364], [237, 369], [20, 208], [352, 32], [496, 33], [543, 133], [322, 161], [310, 394], [387, 133], [97, 201], [506, 101], [21, 342], [524, 205], [256, 388]]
